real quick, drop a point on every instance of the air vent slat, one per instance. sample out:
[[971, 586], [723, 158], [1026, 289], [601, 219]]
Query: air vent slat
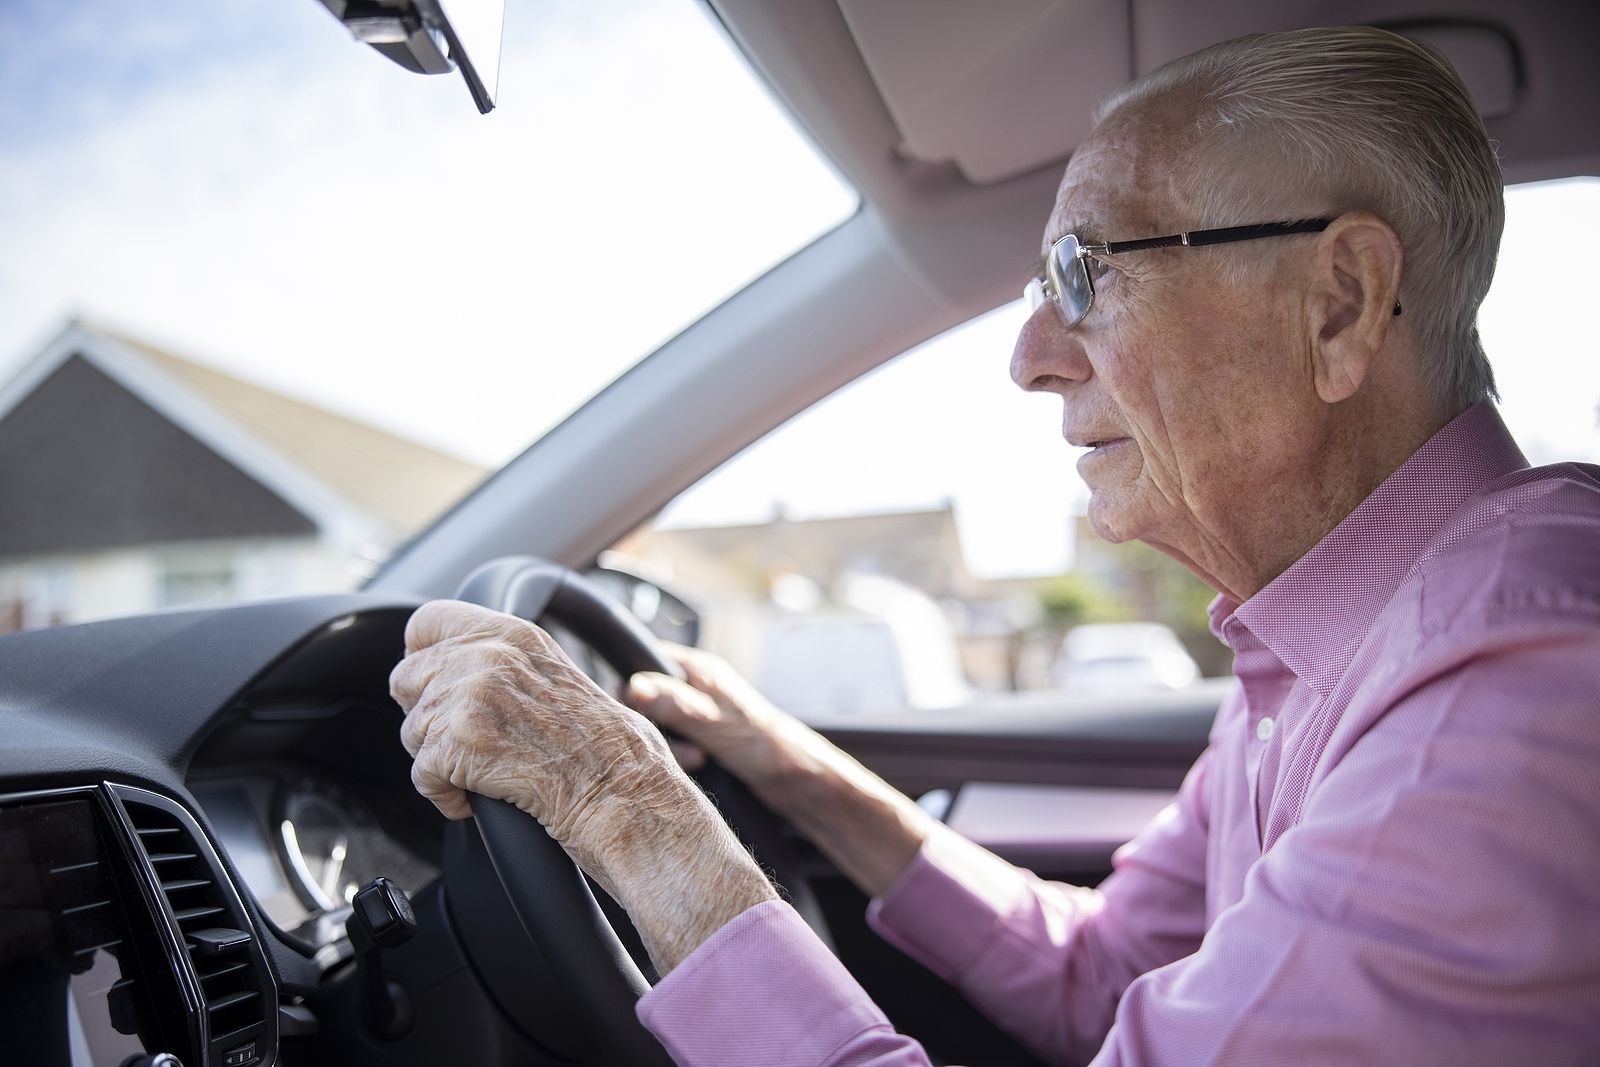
[[184, 915], [232, 1036], [216, 1004], [81, 908], [221, 971], [183, 883], [71, 867], [172, 857], [92, 949]]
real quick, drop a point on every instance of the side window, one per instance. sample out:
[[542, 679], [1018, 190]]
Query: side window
[[916, 540]]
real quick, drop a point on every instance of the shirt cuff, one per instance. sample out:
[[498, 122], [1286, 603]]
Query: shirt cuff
[[949, 905], [762, 989]]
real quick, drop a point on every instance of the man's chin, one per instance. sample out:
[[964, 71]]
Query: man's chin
[[1111, 518]]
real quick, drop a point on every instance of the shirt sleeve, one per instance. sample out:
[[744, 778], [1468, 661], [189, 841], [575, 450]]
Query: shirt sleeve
[[1046, 961], [1437, 901], [764, 990]]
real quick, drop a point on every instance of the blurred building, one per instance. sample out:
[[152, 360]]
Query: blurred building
[[784, 600], [1151, 587], [861, 610], [132, 479], [920, 548]]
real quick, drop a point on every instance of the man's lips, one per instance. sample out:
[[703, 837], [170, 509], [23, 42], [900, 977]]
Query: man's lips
[[1101, 450], [1094, 440]]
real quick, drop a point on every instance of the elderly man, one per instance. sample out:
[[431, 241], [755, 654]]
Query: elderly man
[[1257, 303]]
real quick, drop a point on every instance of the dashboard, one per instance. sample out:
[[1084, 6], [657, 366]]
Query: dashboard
[[189, 802], [303, 844]]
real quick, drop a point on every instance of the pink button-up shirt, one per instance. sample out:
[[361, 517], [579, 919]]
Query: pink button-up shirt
[[1389, 853]]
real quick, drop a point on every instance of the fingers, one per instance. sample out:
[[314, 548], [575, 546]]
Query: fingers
[[438, 621], [414, 731], [432, 778], [668, 702], [690, 757], [699, 666], [673, 705], [411, 676]]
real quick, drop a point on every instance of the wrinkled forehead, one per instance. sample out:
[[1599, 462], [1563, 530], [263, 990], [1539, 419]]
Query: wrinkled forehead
[[1122, 182]]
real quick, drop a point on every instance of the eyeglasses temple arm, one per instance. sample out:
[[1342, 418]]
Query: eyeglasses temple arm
[[1225, 235], [1230, 234]]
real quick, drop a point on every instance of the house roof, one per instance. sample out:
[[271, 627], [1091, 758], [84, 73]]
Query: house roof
[[347, 477], [401, 483]]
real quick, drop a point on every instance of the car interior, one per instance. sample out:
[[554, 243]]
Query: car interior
[[184, 795]]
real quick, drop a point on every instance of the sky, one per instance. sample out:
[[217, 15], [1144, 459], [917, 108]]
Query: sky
[[244, 184], [290, 206]]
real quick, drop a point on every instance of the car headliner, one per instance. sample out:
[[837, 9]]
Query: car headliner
[[948, 225]]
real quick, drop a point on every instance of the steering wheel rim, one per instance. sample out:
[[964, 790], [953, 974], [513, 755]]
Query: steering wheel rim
[[550, 895]]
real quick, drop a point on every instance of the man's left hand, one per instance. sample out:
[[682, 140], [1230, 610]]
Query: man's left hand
[[493, 706]]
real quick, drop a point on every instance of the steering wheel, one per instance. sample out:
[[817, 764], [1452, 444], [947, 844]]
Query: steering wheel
[[548, 892]]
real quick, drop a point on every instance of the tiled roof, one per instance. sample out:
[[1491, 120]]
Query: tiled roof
[[398, 482]]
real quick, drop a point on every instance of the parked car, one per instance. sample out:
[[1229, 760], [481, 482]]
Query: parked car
[[1121, 656], [883, 646]]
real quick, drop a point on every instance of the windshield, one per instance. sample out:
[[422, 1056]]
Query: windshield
[[313, 299]]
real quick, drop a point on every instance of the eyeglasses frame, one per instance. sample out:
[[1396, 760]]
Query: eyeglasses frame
[[1049, 287]]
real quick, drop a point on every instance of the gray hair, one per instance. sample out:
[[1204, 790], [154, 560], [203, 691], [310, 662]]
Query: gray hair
[[1352, 118]]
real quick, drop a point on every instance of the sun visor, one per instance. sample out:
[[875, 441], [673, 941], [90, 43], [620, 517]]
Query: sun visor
[[1485, 54], [1002, 87], [997, 88], [1485, 58]]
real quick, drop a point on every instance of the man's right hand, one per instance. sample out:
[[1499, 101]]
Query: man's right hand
[[864, 825], [718, 713]]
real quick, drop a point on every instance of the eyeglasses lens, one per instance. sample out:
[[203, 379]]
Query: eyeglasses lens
[[1069, 276], [1033, 293]]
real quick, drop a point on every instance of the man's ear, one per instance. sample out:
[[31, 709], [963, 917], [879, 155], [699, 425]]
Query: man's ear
[[1353, 296]]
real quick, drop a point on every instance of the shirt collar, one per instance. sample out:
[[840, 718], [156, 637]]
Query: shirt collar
[[1314, 615]]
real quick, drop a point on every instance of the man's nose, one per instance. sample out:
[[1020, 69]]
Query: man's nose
[[1047, 355]]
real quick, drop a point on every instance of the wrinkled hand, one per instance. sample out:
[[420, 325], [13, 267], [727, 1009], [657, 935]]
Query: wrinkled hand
[[494, 706], [720, 714], [859, 821]]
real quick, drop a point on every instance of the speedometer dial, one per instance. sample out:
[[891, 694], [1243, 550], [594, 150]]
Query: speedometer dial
[[328, 843]]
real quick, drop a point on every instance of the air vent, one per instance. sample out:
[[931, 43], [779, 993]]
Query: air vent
[[73, 916], [239, 1026]]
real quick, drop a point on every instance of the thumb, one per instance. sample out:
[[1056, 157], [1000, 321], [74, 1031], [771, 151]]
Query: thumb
[[661, 699]]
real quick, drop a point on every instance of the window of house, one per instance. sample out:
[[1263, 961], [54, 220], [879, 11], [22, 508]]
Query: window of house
[[199, 576], [917, 539], [34, 596]]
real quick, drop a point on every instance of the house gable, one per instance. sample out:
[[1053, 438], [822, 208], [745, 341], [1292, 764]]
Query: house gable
[[86, 464]]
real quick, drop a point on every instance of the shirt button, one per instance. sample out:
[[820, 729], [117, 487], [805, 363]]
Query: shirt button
[[1264, 730]]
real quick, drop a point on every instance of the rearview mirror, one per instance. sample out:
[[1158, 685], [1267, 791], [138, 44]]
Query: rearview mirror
[[433, 37], [663, 613]]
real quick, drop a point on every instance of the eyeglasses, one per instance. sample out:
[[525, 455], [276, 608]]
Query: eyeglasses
[[1067, 279]]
